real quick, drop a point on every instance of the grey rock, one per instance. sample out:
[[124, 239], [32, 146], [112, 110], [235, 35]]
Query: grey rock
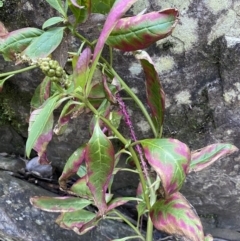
[[22, 222], [199, 66], [11, 164]]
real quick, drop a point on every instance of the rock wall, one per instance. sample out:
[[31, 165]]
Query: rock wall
[[199, 66]]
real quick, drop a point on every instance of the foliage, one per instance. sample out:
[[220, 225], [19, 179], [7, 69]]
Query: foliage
[[95, 162]]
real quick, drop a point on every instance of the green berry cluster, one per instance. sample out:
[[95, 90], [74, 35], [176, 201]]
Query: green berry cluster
[[55, 72]]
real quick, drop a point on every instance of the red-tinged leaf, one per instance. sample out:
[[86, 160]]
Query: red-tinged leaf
[[155, 93], [59, 204], [44, 137], [170, 158], [41, 93], [88, 226], [100, 165], [118, 9], [175, 216], [120, 201], [139, 32], [45, 44], [206, 156], [81, 71], [72, 165], [16, 41], [69, 111], [3, 31], [81, 189], [74, 220], [40, 126], [109, 94]]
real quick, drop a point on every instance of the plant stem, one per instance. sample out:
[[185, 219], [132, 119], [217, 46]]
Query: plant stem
[[128, 222], [149, 236], [135, 98], [18, 71]]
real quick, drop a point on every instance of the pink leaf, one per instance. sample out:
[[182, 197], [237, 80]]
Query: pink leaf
[[170, 158], [206, 156], [176, 216]]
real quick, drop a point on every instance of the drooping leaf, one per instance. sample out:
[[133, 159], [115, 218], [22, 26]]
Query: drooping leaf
[[2, 81], [155, 93], [120, 201], [70, 110], [170, 159], [118, 9], [57, 4], [100, 165], [206, 156], [52, 21], [16, 41], [41, 94], [108, 92], [81, 71], [75, 220], [59, 204], [81, 189], [102, 7], [72, 165], [176, 216], [40, 125], [103, 110], [81, 9], [139, 32], [45, 44]]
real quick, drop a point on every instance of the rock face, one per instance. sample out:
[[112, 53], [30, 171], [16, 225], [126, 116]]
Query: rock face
[[199, 66]]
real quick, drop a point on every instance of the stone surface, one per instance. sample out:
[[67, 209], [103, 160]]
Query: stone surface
[[20, 221], [199, 67]]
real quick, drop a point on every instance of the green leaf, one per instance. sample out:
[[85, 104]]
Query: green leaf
[[102, 6], [72, 165], [81, 9], [57, 4], [155, 93], [45, 44], [139, 32], [170, 159], [206, 156], [81, 70], [75, 219], [2, 81], [59, 204], [52, 21], [16, 41], [100, 165], [176, 216], [81, 189], [40, 119]]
